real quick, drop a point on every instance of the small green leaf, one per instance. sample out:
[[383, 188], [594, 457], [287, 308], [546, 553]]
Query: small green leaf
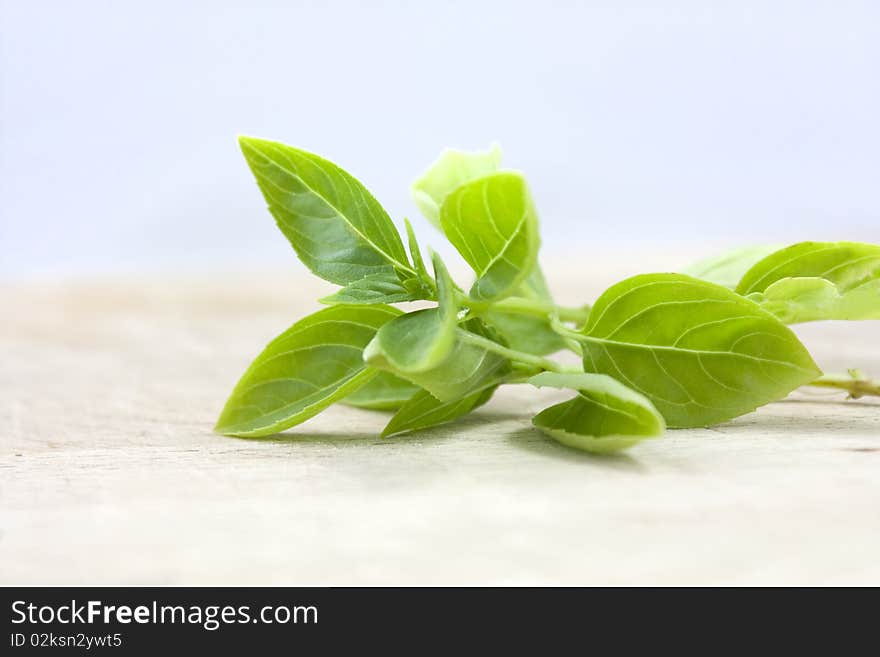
[[493, 224], [605, 417], [415, 252], [467, 369], [451, 170], [846, 264], [314, 363], [419, 340], [817, 280], [335, 225], [384, 392], [384, 287], [533, 335], [795, 300], [424, 410], [726, 269], [700, 352], [418, 288]]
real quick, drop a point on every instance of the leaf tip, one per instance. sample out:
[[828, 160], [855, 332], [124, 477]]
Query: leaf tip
[[250, 147], [223, 428], [226, 423], [390, 429], [245, 140]]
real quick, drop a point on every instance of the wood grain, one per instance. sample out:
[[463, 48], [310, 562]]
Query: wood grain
[[109, 471]]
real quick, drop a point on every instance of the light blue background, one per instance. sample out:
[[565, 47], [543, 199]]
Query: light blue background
[[662, 122]]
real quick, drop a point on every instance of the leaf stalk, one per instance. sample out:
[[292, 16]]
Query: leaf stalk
[[543, 364], [854, 382], [524, 306]]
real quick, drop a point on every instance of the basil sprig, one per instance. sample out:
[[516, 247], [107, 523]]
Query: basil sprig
[[657, 350]]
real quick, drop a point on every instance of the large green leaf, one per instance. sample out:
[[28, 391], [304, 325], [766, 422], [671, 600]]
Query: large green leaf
[[700, 352], [424, 410], [314, 363], [384, 392], [419, 340], [335, 225], [605, 417], [493, 224], [728, 268], [817, 280], [451, 170]]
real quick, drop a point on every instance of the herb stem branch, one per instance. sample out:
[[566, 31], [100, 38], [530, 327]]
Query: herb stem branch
[[855, 383], [576, 315], [524, 306], [543, 364]]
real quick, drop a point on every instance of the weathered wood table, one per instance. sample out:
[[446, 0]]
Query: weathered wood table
[[109, 471]]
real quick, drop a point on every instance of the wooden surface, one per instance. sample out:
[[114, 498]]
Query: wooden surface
[[109, 471]]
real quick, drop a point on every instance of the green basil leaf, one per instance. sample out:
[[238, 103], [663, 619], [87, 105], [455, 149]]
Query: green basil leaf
[[451, 170], [795, 300], [419, 340], [416, 342], [605, 417], [728, 268], [382, 393], [314, 363], [533, 335], [424, 410], [493, 224], [335, 225], [418, 288], [415, 252], [817, 280], [454, 168], [467, 369], [384, 287], [700, 352]]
